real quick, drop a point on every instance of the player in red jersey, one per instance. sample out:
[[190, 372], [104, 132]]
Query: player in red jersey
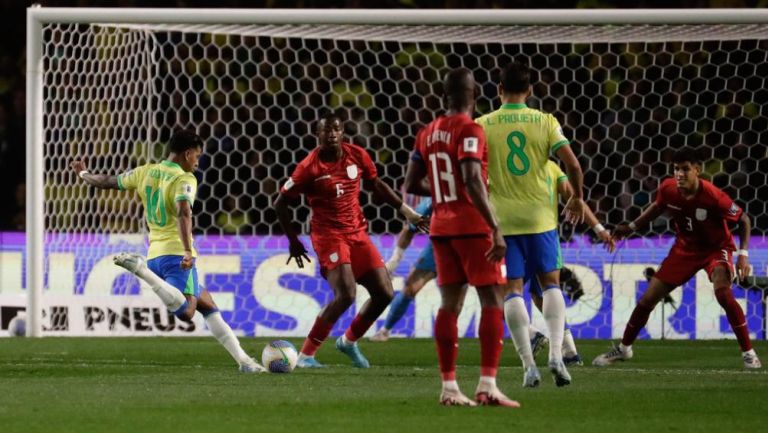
[[701, 213], [330, 178], [451, 153]]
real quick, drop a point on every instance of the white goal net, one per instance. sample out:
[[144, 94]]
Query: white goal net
[[626, 95]]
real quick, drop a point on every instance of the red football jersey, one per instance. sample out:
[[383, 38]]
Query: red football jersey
[[701, 222], [441, 146], [333, 189]]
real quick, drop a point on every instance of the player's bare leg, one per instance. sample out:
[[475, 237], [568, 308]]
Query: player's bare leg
[[491, 334], [447, 341], [721, 279], [379, 286], [342, 282], [518, 322], [416, 280], [224, 335], [656, 291]]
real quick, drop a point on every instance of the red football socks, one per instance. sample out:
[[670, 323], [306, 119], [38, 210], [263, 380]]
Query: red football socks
[[491, 336], [735, 317], [636, 322], [316, 337], [447, 340], [358, 327]]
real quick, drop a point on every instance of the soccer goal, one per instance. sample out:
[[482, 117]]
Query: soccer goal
[[110, 85]]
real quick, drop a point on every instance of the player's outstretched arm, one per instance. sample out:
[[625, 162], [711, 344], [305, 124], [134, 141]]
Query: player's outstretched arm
[[184, 220], [102, 181], [383, 192], [649, 214], [403, 242], [296, 249], [473, 181], [565, 191], [742, 262], [574, 210]]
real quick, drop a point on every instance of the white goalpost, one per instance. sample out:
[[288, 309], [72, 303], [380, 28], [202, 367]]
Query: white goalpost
[[109, 85]]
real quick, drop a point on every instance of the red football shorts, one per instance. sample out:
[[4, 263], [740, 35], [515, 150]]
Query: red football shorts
[[462, 260], [682, 264], [355, 249]]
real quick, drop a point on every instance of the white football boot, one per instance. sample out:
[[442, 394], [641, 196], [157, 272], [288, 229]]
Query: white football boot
[[454, 397], [618, 353], [251, 366], [751, 360], [131, 262], [532, 377], [487, 395], [559, 373]]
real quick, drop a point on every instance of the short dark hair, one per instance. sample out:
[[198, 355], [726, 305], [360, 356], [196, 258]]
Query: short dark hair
[[184, 139], [330, 117], [686, 154], [515, 77]]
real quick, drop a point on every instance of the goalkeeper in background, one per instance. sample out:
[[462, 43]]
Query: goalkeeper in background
[[167, 192]]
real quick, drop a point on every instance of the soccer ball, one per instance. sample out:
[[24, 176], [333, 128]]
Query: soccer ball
[[279, 356], [17, 327]]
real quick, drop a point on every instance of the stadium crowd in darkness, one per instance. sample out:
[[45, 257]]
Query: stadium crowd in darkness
[[626, 107]]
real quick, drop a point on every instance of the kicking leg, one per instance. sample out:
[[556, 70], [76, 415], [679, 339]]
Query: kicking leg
[[223, 333], [173, 299]]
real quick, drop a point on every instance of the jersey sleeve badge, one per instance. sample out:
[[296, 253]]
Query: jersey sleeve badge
[[470, 145]]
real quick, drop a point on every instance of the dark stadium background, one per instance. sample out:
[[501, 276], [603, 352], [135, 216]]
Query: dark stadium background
[[739, 145]]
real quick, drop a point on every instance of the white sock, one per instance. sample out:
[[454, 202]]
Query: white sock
[[345, 341], [303, 356], [554, 315], [624, 348], [226, 337], [450, 385], [569, 346], [532, 331], [487, 382], [171, 296], [518, 323]]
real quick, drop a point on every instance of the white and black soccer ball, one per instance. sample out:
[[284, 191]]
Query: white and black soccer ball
[[279, 356], [17, 327]]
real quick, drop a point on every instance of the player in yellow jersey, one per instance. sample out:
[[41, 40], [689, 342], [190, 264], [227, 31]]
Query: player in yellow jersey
[[520, 141], [558, 185], [167, 191]]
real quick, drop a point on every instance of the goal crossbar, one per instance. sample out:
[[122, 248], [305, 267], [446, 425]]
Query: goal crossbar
[[318, 23]]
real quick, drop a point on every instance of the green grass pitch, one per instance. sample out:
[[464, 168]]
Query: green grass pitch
[[190, 385]]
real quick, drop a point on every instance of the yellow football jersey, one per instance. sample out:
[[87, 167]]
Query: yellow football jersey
[[160, 186], [520, 141], [555, 176]]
